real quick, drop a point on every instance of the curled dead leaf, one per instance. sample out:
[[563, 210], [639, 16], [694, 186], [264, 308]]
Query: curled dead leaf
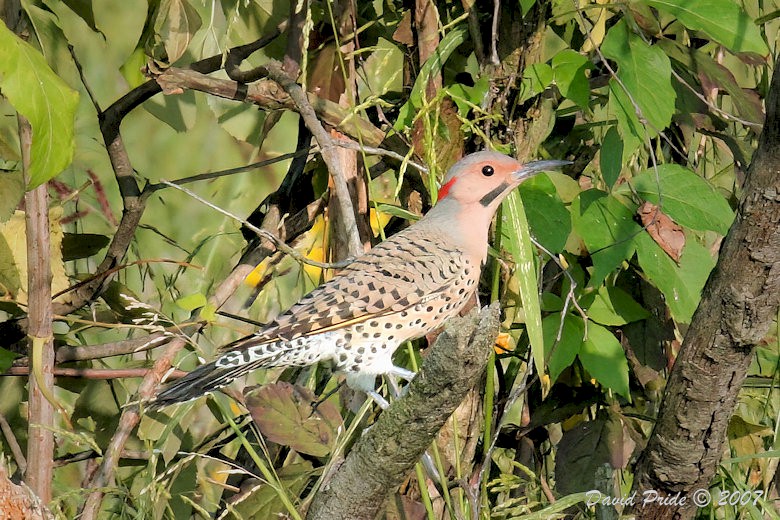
[[666, 233]]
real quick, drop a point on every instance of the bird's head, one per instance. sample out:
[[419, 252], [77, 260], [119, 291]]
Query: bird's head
[[472, 191], [486, 178]]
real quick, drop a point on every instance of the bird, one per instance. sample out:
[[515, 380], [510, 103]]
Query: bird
[[403, 288]]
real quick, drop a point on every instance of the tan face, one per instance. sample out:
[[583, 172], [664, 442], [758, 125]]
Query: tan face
[[484, 178]]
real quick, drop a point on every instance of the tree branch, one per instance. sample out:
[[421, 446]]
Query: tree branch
[[266, 94], [328, 151], [383, 456], [40, 446]]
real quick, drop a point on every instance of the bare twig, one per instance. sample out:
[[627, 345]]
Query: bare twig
[[40, 446], [494, 59], [116, 348], [94, 373], [16, 450], [231, 171], [371, 150], [266, 93], [282, 246], [476, 35]]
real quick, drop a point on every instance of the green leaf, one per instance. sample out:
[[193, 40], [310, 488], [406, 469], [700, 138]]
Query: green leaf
[[11, 193], [536, 78], [82, 245], [744, 101], [520, 246], [628, 125], [284, 414], [722, 20], [614, 306], [611, 157], [466, 97], [382, 71], [397, 211], [83, 8], [646, 73], [45, 100], [261, 500], [681, 284], [685, 197], [568, 69], [548, 218], [192, 302], [561, 355], [175, 25], [6, 359], [603, 357], [526, 5], [451, 41], [608, 229]]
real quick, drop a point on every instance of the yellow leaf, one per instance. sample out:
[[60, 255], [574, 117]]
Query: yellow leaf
[[13, 256]]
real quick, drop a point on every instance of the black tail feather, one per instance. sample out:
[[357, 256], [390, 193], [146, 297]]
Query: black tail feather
[[203, 380]]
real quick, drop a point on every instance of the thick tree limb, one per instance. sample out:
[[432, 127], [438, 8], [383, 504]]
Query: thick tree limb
[[382, 458], [738, 306]]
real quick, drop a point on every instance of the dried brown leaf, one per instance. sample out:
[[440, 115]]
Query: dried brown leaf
[[285, 415], [666, 233]]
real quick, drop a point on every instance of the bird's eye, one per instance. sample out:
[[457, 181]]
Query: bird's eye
[[488, 170]]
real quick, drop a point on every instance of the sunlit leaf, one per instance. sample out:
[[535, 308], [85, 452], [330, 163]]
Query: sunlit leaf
[[561, 354], [192, 301], [519, 245], [687, 198], [613, 306], [722, 20], [176, 24], [645, 71], [548, 218], [568, 69], [604, 358], [45, 100], [11, 193], [261, 500], [681, 284], [608, 229], [536, 78], [451, 41]]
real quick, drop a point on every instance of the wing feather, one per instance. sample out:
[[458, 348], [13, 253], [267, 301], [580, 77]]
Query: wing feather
[[393, 276]]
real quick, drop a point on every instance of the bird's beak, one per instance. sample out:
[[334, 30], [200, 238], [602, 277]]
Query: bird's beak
[[532, 168]]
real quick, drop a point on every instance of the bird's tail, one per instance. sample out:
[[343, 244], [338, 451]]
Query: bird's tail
[[229, 367], [204, 379]]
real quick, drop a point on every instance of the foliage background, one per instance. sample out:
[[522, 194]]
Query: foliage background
[[657, 101]]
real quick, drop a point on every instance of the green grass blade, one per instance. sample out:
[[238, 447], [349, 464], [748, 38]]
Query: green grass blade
[[518, 243]]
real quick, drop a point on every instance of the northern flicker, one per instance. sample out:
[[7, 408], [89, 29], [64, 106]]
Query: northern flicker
[[402, 289]]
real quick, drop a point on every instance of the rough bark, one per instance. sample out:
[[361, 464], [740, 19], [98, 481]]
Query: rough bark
[[382, 458], [738, 306]]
